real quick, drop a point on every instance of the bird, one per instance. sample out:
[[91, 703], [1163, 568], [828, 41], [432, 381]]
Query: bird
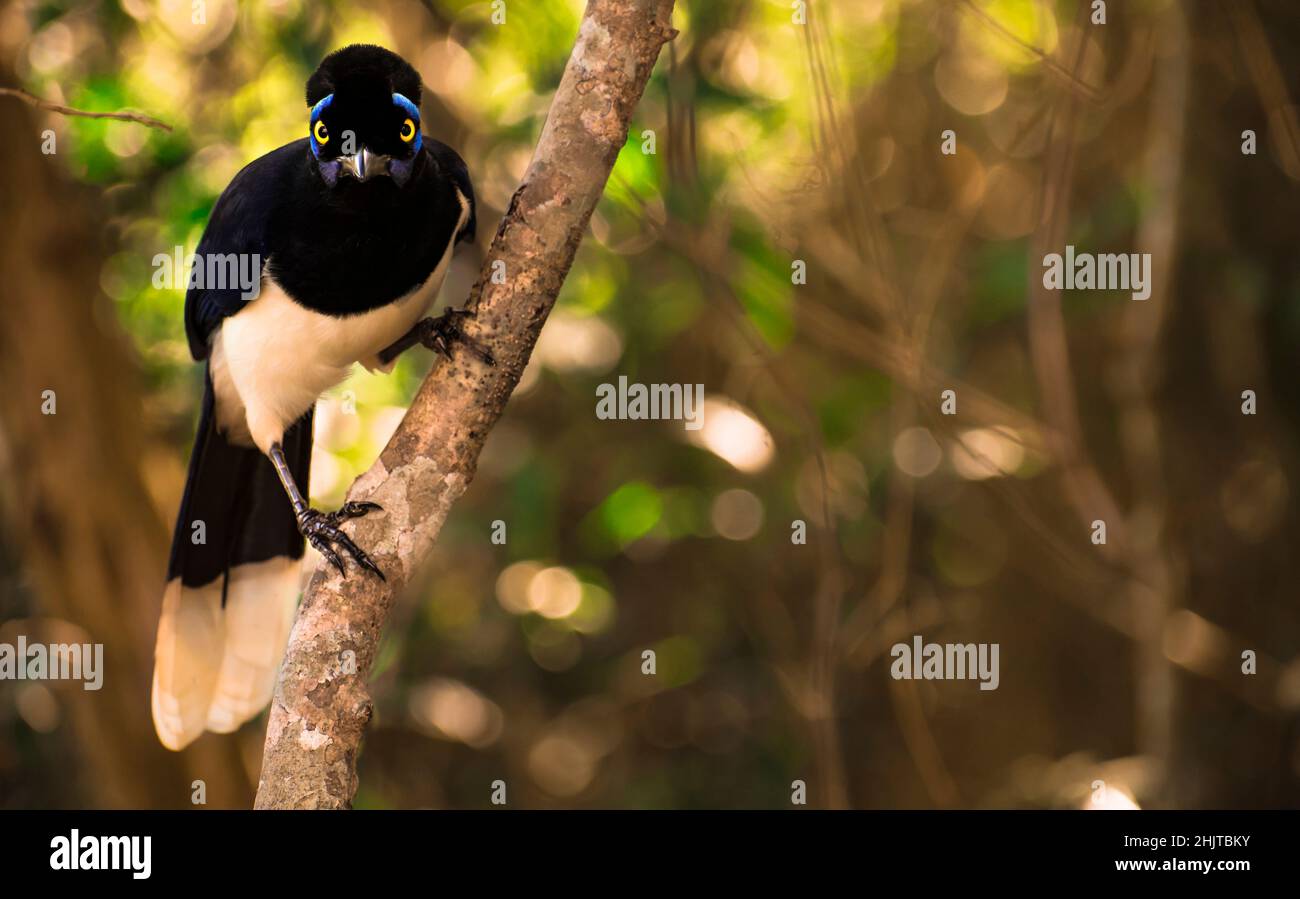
[[352, 229]]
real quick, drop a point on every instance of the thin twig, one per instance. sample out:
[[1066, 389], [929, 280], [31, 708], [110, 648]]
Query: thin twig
[[1070, 79], [137, 117]]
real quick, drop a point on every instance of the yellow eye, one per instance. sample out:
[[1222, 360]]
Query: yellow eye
[[408, 131], [321, 132]]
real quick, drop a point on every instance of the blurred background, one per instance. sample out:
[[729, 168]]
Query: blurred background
[[799, 243]]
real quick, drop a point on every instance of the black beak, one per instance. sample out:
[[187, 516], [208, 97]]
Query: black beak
[[365, 165]]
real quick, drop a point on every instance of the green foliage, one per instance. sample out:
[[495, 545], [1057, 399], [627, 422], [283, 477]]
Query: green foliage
[[631, 511]]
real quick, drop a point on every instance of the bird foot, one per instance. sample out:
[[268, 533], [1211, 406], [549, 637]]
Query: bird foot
[[439, 333], [322, 529]]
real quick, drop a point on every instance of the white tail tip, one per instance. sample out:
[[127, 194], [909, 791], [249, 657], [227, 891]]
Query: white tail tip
[[215, 668]]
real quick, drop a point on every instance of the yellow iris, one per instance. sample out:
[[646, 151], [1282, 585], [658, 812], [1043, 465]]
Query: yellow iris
[[321, 132], [408, 131]]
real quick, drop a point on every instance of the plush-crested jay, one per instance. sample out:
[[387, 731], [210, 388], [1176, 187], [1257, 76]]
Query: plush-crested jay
[[354, 226]]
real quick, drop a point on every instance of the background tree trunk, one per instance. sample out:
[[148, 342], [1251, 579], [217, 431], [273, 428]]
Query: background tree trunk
[[75, 502]]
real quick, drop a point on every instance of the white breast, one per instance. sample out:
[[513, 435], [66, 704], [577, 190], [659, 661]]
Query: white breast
[[274, 358]]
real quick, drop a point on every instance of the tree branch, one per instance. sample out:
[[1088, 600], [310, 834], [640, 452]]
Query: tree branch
[[321, 703], [137, 117]]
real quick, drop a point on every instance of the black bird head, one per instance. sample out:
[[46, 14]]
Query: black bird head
[[365, 115]]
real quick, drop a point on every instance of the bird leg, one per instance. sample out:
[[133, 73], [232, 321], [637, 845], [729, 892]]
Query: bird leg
[[322, 528], [438, 334]]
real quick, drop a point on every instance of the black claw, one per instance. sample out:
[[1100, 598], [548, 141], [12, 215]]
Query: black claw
[[330, 555], [352, 549], [365, 562], [322, 529], [338, 563], [439, 333], [481, 351], [353, 510]]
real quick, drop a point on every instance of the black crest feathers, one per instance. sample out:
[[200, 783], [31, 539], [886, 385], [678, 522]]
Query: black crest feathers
[[363, 65]]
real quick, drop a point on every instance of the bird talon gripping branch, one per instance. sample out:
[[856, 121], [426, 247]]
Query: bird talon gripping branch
[[322, 529], [439, 333], [351, 228]]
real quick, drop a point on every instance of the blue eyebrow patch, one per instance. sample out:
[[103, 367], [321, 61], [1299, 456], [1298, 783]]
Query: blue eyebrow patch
[[321, 105], [411, 108], [414, 112]]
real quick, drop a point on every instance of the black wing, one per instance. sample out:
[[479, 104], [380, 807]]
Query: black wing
[[452, 166], [240, 224]]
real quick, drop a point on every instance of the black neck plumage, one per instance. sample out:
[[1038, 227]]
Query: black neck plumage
[[358, 246]]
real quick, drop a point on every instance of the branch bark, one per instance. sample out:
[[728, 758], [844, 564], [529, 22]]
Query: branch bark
[[321, 704]]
